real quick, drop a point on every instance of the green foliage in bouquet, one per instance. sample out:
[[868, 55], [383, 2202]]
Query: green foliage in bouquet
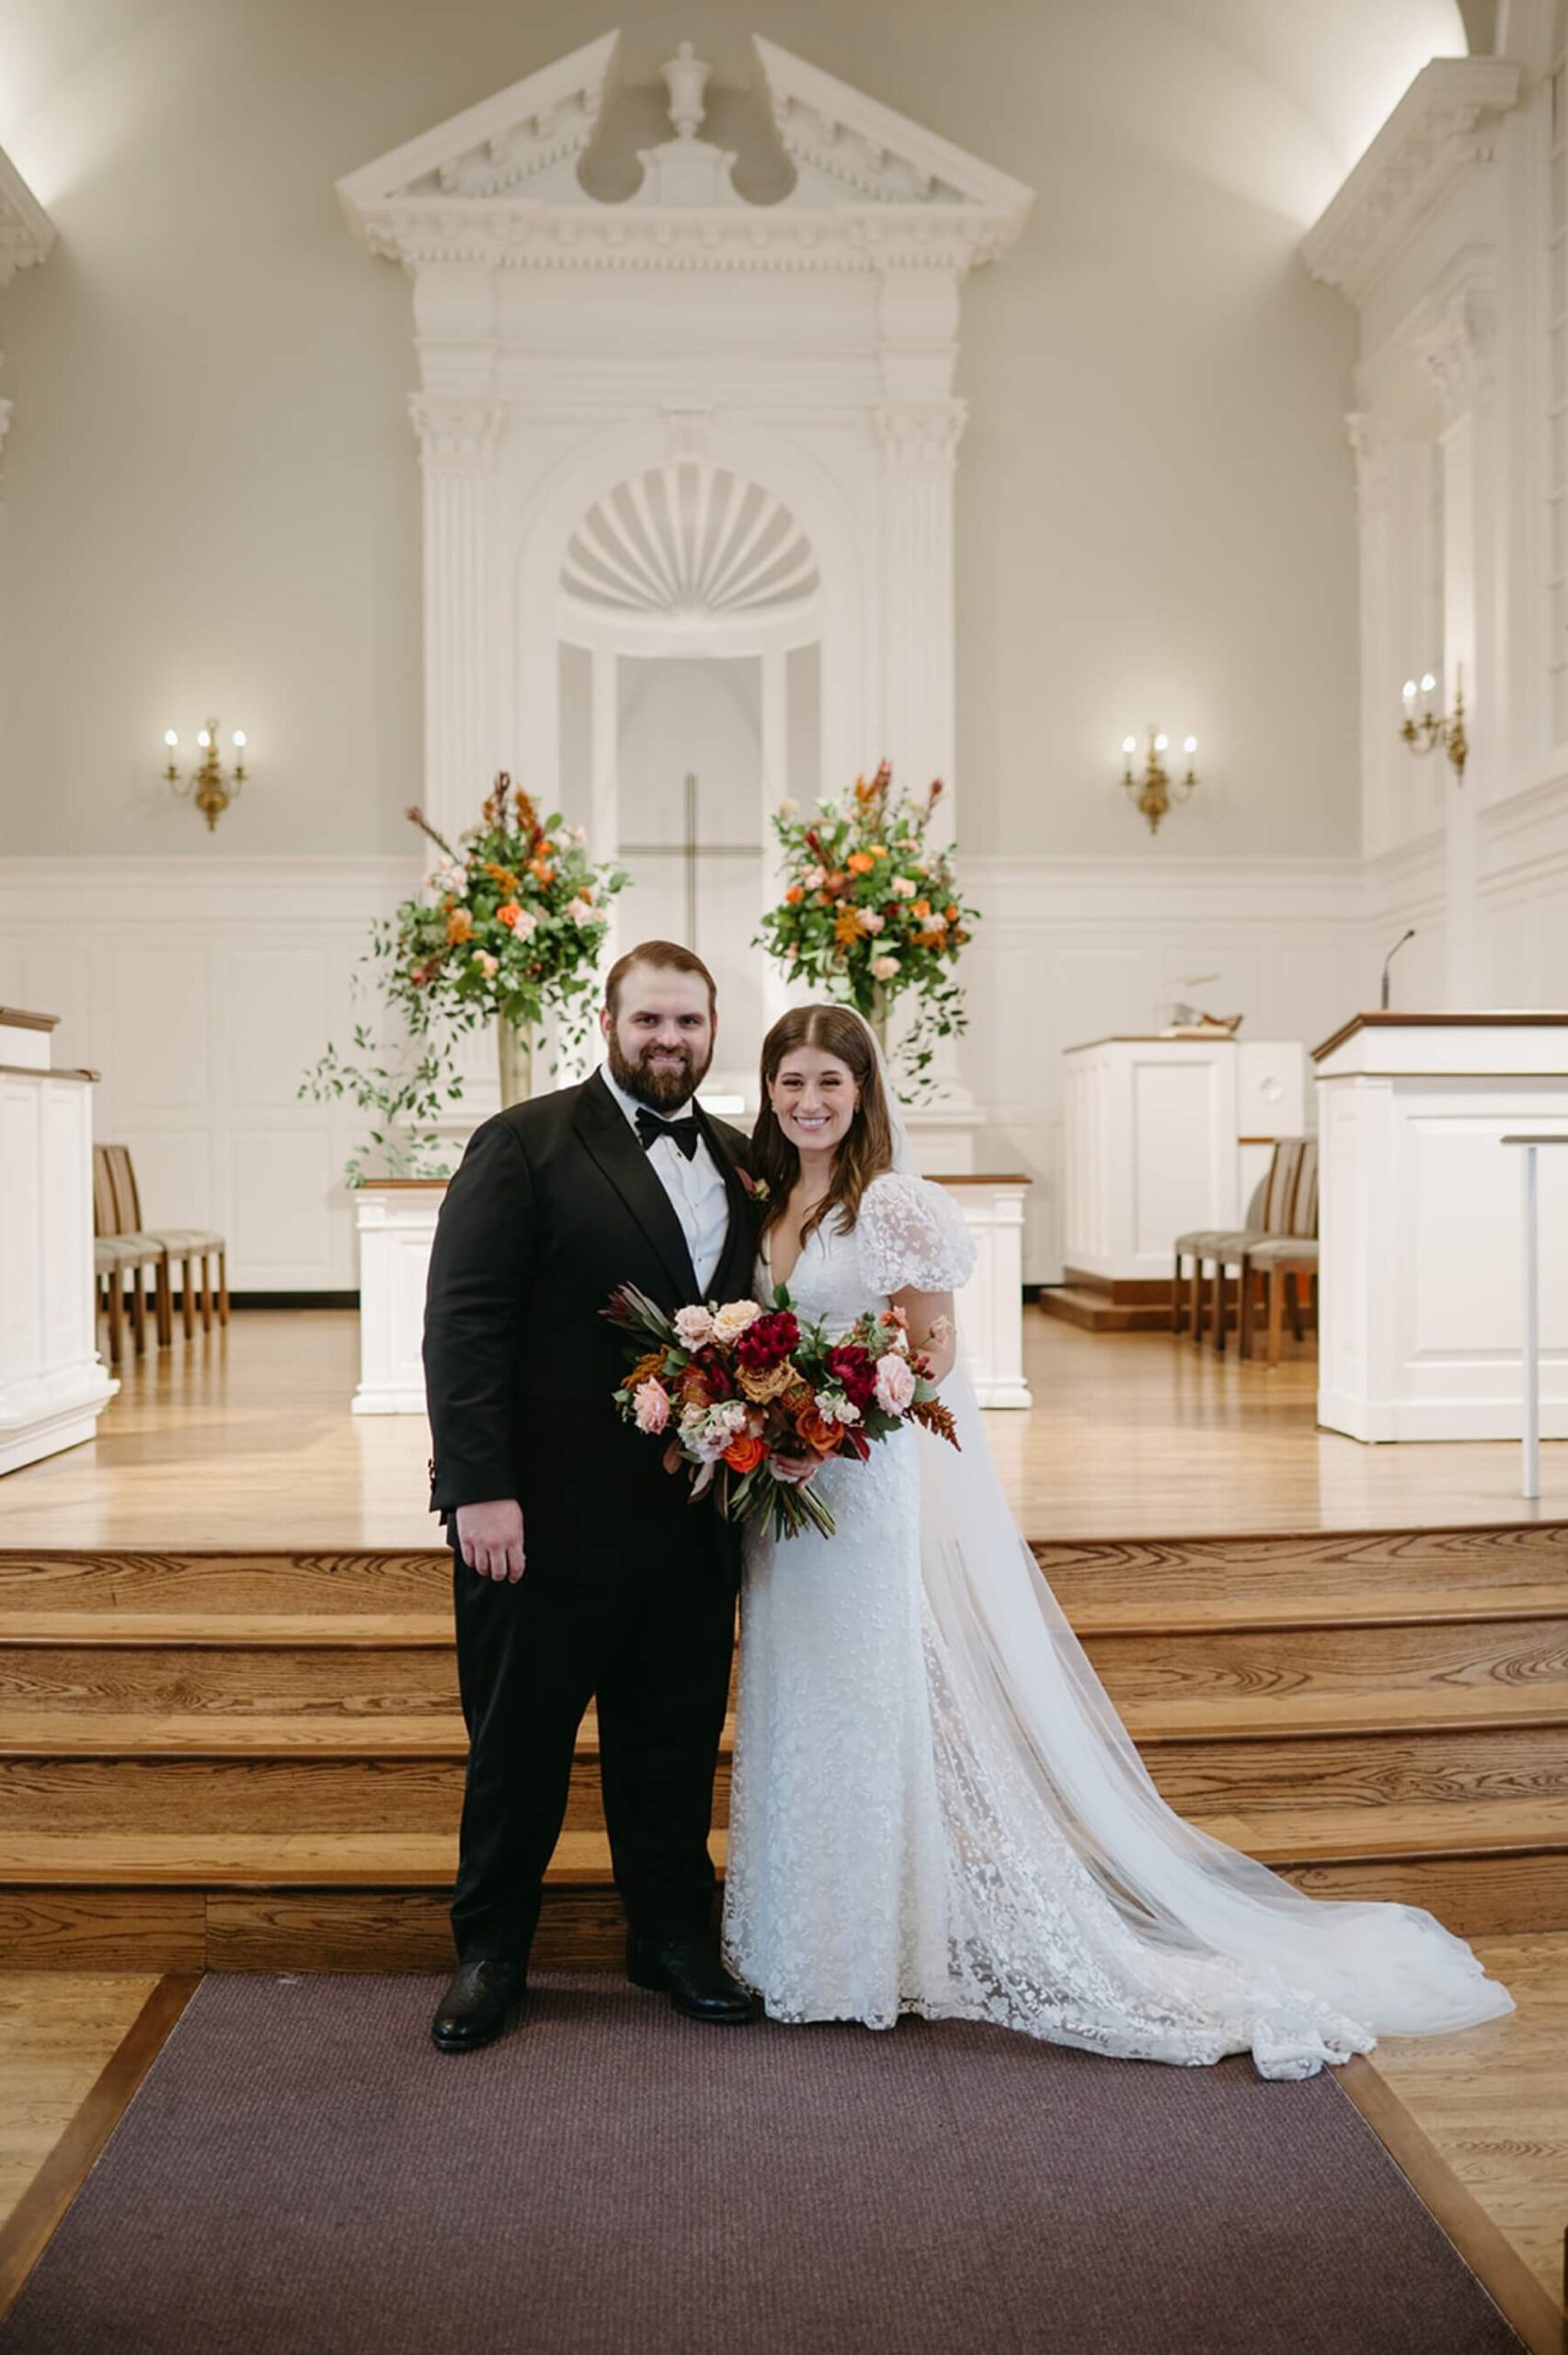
[[508, 926], [871, 911]]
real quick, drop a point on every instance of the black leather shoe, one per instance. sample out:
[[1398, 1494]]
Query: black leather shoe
[[475, 2006], [688, 1969]]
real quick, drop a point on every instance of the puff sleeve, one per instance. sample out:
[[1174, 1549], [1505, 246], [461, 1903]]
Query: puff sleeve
[[910, 1236]]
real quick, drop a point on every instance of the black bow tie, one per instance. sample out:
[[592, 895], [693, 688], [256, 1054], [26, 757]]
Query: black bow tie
[[650, 1127]]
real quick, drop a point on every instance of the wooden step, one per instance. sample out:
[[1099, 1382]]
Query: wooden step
[[1224, 1716], [228, 1630], [1164, 1574], [398, 1792], [1480, 1653], [1394, 1607], [211, 1579], [1482, 1764], [155, 1680]]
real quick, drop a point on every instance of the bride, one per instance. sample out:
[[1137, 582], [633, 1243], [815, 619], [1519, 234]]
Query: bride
[[936, 1808]]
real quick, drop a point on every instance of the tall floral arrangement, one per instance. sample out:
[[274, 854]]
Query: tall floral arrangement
[[506, 930], [871, 912]]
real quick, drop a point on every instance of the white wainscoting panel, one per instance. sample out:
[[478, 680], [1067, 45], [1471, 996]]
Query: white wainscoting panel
[[201, 988]]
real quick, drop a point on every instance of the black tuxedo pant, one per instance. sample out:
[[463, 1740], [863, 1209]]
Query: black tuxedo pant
[[655, 1652]]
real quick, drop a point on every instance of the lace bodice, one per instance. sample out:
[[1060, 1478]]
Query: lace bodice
[[907, 1237]]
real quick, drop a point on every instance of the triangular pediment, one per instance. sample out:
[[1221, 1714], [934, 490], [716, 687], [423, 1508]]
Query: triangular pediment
[[502, 181]]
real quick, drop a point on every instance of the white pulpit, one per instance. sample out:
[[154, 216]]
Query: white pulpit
[[53, 1386], [396, 1219], [1421, 1306], [1162, 1135]]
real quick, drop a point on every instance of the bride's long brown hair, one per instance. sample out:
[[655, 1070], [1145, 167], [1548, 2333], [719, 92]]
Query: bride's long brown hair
[[866, 1148]]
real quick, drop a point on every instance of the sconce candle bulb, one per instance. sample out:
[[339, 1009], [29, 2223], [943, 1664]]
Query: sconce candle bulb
[[210, 785], [1434, 728], [1153, 788]]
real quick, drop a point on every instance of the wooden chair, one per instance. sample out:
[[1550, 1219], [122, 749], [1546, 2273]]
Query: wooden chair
[[1285, 1262], [120, 1251], [1268, 1214], [189, 1245]]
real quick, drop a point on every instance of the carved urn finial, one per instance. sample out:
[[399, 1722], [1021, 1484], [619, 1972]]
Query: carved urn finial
[[686, 78]]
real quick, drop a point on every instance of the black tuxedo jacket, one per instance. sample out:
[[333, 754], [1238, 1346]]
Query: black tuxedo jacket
[[553, 1205]]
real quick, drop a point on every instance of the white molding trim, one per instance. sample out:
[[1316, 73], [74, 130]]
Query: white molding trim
[[27, 232], [1444, 123]]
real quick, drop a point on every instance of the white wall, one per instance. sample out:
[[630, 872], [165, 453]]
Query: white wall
[[209, 493]]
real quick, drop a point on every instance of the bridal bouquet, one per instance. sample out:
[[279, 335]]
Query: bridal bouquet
[[752, 1403]]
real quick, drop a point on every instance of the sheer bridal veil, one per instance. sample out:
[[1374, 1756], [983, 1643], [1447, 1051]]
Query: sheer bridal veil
[[1055, 1753]]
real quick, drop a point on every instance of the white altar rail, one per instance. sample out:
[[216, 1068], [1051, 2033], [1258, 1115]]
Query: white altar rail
[[397, 1222], [53, 1387]]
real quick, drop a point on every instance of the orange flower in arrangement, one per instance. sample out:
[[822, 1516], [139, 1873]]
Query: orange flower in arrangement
[[459, 925], [818, 1432], [540, 870], [507, 913], [860, 862], [921, 908], [878, 850], [744, 1454], [646, 1369], [833, 885], [950, 912], [846, 928], [795, 895], [501, 877]]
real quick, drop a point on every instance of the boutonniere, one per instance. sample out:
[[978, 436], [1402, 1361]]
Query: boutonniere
[[756, 1186]]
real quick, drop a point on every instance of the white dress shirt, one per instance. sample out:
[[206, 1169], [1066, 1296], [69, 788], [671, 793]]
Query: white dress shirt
[[697, 1188]]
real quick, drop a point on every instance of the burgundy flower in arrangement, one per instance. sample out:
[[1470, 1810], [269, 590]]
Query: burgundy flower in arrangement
[[768, 1342], [712, 1364], [855, 1373]]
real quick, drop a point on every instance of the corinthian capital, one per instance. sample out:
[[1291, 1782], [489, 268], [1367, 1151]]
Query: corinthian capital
[[923, 436], [456, 434], [1457, 354], [1372, 439]]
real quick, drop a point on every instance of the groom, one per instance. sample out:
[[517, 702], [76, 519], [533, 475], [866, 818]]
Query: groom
[[579, 1570]]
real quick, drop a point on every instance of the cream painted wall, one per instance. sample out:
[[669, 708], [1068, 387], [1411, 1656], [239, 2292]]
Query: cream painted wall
[[209, 496]]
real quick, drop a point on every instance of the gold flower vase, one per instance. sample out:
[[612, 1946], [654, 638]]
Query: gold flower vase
[[514, 1049]]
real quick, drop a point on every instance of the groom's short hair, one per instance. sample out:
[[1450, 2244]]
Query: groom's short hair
[[665, 956]]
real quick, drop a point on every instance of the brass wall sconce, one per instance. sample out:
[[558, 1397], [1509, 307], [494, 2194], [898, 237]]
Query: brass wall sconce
[[1153, 788], [1434, 728], [210, 785]]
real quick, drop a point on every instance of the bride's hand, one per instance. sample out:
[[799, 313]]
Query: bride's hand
[[794, 1470]]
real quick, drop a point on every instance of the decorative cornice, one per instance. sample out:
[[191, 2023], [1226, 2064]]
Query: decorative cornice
[[920, 436], [456, 435], [1444, 123], [1458, 353], [27, 232], [497, 189]]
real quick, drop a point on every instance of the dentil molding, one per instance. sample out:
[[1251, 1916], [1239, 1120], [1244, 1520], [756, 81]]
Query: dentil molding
[[1445, 122]]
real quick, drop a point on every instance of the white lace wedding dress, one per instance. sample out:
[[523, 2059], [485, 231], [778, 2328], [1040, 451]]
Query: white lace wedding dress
[[936, 1809]]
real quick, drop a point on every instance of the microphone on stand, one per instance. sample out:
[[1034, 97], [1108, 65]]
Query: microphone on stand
[[1389, 960]]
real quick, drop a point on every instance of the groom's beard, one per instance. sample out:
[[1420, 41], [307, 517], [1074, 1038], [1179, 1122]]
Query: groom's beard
[[661, 1090]]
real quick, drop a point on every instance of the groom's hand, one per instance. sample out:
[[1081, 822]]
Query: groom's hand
[[489, 1538]]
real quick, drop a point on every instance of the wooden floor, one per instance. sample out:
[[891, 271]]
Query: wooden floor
[[1492, 2101], [245, 1438]]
